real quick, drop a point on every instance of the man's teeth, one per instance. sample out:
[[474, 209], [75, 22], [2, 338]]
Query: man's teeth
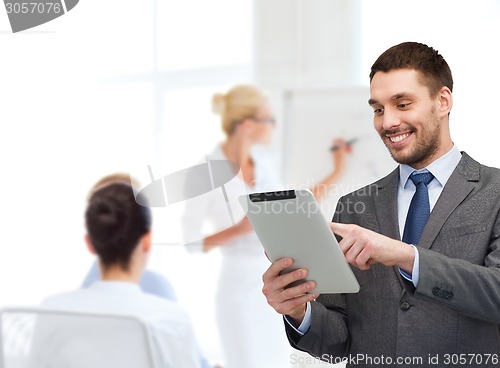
[[399, 138]]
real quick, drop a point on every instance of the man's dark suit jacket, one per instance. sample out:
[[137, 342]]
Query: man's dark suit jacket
[[455, 308]]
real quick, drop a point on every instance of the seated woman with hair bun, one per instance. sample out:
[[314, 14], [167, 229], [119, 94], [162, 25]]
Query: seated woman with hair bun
[[119, 233], [151, 282]]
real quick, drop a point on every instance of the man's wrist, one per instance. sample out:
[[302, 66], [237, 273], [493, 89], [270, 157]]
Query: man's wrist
[[298, 317], [407, 258], [305, 324], [414, 276]]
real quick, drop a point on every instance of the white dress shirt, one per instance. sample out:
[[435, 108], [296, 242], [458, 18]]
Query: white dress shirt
[[442, 168], [172, 333]]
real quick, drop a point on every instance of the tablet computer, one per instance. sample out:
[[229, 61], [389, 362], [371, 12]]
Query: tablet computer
[[289, 223]]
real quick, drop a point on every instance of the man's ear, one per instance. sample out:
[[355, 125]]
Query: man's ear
[[146, 242], [90, 247], [445, 100]]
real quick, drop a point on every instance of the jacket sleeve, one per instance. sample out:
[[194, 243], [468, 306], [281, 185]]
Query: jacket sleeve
[[462, 268], [471, 289]]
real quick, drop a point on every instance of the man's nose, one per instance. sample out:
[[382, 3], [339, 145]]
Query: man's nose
[[391, 119]]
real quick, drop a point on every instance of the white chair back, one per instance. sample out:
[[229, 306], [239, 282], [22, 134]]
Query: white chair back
[[38, 338]]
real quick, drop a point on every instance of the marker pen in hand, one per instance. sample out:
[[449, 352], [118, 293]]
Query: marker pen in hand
[[336, 146]]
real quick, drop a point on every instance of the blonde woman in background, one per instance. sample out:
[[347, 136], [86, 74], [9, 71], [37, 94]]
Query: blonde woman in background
[[251, 333]]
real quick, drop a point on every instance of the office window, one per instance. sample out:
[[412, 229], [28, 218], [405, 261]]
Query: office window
[[191, 130], [201, 34], [112, 38], [112, 86]]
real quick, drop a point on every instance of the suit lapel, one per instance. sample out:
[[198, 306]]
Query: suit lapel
[[386, 208], [459, 185]]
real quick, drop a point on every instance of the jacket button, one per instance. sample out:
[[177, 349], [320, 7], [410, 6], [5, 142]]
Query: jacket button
[[445, 294], [436, 291], [405, 305]]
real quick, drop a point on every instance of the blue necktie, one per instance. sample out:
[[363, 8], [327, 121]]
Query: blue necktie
[[419, 210]]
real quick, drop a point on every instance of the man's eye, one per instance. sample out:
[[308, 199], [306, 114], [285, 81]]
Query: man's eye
[[403, 105], [379, 111]]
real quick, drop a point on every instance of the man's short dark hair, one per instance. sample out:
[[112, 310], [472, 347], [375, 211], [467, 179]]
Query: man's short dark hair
[[430, 64]]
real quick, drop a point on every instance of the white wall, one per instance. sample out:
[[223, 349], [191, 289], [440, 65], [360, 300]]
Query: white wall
[[98, 90]]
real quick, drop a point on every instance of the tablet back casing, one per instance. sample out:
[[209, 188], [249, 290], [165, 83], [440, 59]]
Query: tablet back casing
[[290, 224]]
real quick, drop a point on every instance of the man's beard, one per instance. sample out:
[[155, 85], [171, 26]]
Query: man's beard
[[423, 149]]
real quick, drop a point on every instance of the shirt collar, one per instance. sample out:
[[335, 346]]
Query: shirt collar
[[129, 287], [442, 168]]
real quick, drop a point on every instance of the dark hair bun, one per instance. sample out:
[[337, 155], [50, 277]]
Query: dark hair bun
[[115, 223], [109, 217]]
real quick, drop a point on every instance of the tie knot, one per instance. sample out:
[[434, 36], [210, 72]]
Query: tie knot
[[425, 177]]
